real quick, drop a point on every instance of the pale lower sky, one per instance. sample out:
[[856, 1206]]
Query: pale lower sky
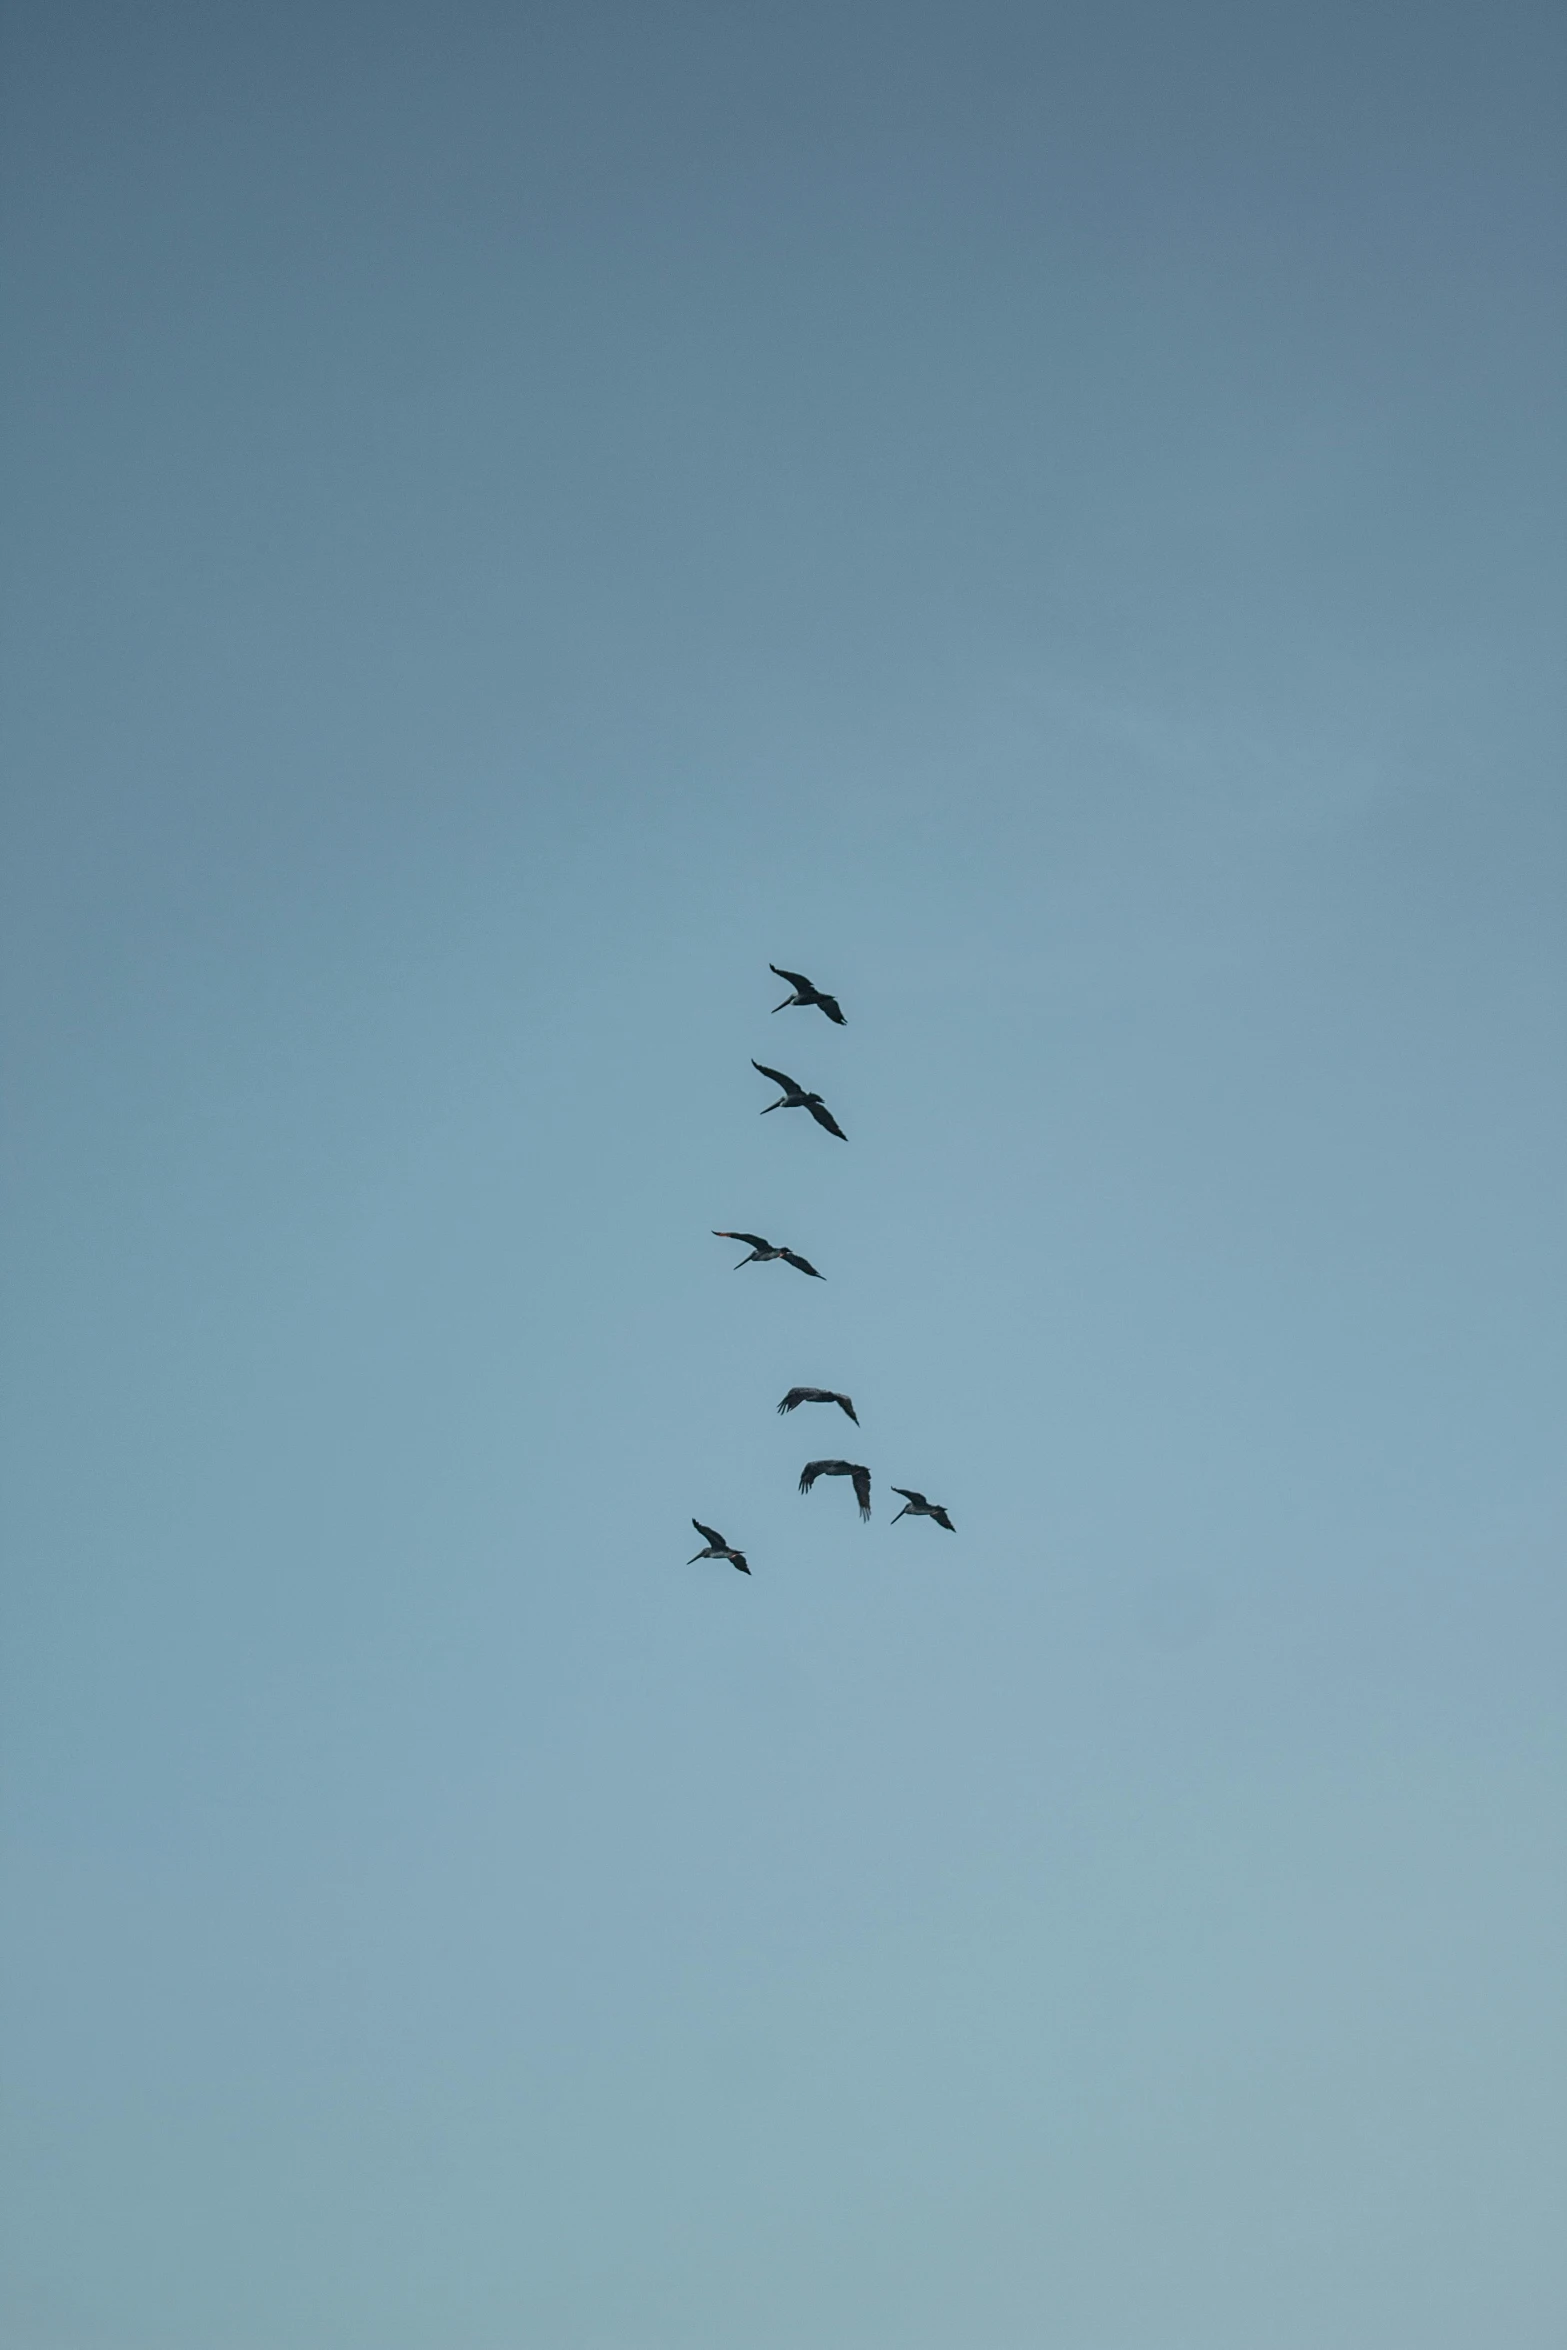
[[1050, 521]]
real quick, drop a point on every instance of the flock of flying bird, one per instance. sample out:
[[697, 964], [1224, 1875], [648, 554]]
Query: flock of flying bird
[[795, 1097]]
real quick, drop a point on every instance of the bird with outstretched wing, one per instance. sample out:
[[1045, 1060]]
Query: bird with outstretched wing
[[717, 1548], [795, 1097], [798, 1395], [860, 1476], [764, 1253], [916, 1506], [805, 993]]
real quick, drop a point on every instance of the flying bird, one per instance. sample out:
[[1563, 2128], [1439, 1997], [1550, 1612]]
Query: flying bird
[[862, 1479], [799, 1395], [763, 1253], [795, 1097], [916, 1506], [717, 1548], [805, 993]]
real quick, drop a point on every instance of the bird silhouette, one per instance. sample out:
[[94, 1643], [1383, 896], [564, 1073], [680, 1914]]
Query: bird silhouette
[[916, 1506], [717, 1548], [861, 1476], [805, 993], [799, 1395], [763, 1253], [795, 1097]]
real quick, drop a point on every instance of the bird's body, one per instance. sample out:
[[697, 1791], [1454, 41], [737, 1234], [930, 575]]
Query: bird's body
[[853, 1469], [916, 1506], [717, 1548], [795, 1097], [805, 993], [763, 1253], [799, 1395]]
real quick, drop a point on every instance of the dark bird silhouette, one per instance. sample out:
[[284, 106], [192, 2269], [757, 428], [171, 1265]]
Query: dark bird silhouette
[[805, 993], [862, 1479], [795, 1097], [799, 1395], [717, 1548], [916, 1506], [763, 1253]]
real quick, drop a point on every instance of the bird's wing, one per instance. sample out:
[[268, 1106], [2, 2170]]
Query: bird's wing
[[752, 1239], [829, 1004], [796, 1395], [844, 1404], [795, 978], [942, 1519], [800, 1264], [710, 1534], [824, 1117], [862, 1490], [737, 1561], [908, 1496], [777, 1077], [811, 1471]]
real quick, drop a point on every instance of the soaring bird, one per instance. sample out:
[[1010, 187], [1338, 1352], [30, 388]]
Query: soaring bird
[[763, 1253], [717, 1548], [795, 1097], [916, 1506], [805, 993], [862, 1479], [799, 1395]]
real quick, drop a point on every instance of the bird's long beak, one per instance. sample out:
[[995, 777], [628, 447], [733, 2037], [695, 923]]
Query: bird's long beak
[[691, 1561], [784, 1006]]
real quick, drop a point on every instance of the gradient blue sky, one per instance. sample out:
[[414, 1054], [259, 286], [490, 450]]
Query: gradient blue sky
[[1051, 521]]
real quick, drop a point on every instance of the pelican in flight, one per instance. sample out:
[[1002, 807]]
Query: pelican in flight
[[862, 1479], [916, 1506], [763, 1253], [795, 1097], [717, 1548], [799, 1395], [805, 993]]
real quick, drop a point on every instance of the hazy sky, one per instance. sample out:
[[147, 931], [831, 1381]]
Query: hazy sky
[[1050, 520]]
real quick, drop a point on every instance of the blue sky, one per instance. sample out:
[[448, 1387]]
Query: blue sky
[[1051, 523]]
